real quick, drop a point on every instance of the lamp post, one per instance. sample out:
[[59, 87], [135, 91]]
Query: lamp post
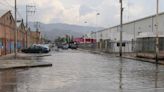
[[97, 14], [85, 34], [121, 22]]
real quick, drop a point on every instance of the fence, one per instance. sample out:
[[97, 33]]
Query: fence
[[141, 45]]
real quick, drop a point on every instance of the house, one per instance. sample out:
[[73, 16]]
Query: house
[[28, 37], [21, 35], [7, 28], [36, 37]]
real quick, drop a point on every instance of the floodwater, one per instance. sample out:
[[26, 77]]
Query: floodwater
[[79, 71]]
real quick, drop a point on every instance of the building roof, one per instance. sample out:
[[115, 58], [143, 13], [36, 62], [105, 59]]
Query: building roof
[[3, 12], [135, 20]]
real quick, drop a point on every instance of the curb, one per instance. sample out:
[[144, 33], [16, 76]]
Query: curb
[[43, 55], [144, 60], [126, 57], [28, 66]]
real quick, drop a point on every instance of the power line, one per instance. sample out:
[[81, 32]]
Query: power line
[[9, 3], [6, 5], [28, 10], [19, 14]]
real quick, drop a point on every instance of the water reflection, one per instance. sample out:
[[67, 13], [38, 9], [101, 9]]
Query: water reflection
[[120, 75], [94, 73], [156, 75], [8, 81]]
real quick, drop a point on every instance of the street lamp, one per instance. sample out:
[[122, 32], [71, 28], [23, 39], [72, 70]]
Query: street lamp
[[97, 14], [85, 34]]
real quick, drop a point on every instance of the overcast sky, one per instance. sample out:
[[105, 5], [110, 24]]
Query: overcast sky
[[79, 11]]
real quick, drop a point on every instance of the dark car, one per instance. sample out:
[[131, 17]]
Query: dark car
[[59, 46], [73, 46], [35, 49]]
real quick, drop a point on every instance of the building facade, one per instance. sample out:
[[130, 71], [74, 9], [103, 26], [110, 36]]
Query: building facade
[[109, 38], [7, 28]]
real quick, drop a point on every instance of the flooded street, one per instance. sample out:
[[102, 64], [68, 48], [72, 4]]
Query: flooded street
[[79, 71]]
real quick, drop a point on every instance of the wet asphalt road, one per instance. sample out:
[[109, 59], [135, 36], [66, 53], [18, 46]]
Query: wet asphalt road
[[79, 71]]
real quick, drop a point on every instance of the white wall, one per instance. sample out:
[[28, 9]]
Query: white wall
[[105, 34], [114, 34], [161, 24], [132, 30], [145, 25], [98, 36]]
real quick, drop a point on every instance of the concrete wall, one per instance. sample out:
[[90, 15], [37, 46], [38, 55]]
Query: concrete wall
[[161, 24]]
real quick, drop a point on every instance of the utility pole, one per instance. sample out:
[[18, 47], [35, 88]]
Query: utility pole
[[121, 22], [37, 26], [157, 43], [157, 34], [28, 10], [15, 32], [97, 14]]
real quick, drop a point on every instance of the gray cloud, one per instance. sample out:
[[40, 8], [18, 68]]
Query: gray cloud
[[68, 11], [84, 10]]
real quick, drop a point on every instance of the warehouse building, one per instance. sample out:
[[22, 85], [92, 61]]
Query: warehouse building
[[25, 37], [108, 39], [7, 27]]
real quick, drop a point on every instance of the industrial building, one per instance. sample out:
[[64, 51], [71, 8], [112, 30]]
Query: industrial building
[[134, 35], [25, 37]]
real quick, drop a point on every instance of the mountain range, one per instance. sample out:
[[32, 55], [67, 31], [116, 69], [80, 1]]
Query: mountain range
[[55, 30]]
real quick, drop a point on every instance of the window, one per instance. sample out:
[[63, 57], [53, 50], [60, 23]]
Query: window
[[123, 44], [10, 19]]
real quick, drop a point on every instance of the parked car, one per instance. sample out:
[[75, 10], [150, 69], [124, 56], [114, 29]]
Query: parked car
[[46, 46], [65, 46], [59, 45], [35, 49], [73, 45], [43, 45]]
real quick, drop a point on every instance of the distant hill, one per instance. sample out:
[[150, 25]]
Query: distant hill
[[54, 30]]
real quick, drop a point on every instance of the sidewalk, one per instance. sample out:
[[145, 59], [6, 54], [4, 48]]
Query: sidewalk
[[144, 59], [127, 56], [22, 61]]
